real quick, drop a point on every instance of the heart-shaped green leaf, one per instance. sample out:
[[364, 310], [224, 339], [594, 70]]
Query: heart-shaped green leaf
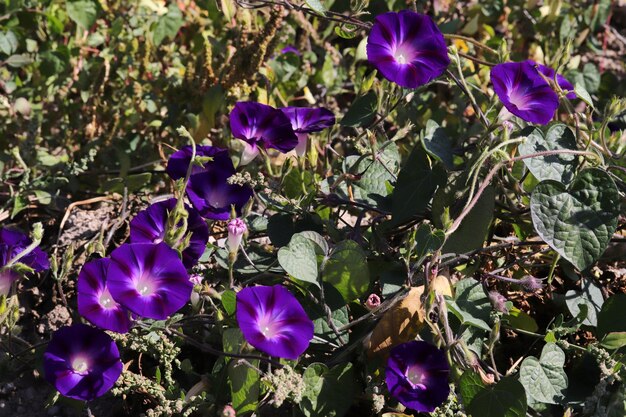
[[299, 258], [577, 222], [544, 379], [552, 167], [504, 399], [346, 269]]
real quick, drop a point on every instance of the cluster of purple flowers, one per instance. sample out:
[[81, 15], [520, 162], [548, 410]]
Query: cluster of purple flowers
[[408, 49], [143, 278], [263, 127], [147, 277]]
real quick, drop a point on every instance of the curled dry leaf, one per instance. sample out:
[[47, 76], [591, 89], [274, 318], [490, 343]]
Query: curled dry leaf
[[400, 324]]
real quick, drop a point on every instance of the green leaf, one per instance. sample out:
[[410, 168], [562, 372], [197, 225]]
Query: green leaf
[[328, 393], [362, 111], [229, 301], [470, 384], [416, 184], [583, 94], [473, 230], [504, 399], [438, 144], [317, 239], [427, 241], [614, 340], [466, 318], [577, 222], [299, 259], [168, 25], [18, 61], [544, 379], [82, 12], [8, 43], [520, 320], [591, 296], [244, 381], [611, 317], [589, 78], [470, 296], [316, 5], [553, 167], [19, 203], [347, 270]]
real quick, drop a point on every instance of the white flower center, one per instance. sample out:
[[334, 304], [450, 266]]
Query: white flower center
[[415, 375], [403, 55], [268, 328], [145, 285], [105, 299], [80, 365], [517, 99]]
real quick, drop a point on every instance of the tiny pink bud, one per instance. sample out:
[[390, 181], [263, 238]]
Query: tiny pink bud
[[236, 229], [228, 411], [196, 279], [373, 301]]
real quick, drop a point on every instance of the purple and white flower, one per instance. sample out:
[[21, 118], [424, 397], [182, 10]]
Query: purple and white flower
[[95, 302], [273, 321], [306, 120], [148, 279], [417, 375], [407, 48], [261, 126], [524, 92], [82, 362]]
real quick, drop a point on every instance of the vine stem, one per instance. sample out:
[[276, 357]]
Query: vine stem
[[211, 350], [493, 172]]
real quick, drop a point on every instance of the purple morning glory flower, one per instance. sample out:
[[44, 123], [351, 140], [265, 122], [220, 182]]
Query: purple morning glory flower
[[305, 120], [95, 302], [149, 279], [208, 189], [407, 48], [561, 80], [417, 375], [149, 226], [273, 321], [524, 92], [12, 243], [82, 362], [260, 125]]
